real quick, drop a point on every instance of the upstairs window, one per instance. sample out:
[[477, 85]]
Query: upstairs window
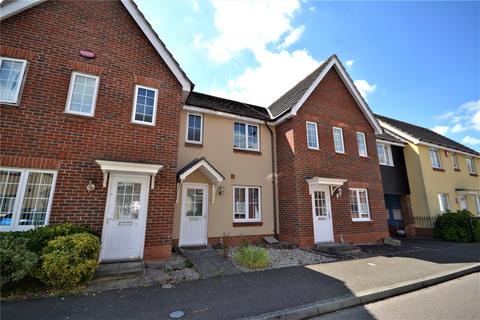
[[11, 79], [359, 205], [384, 152], [246, 204], [194, 128], [444, 202], [312, 135], [82, 94], [471, 165], [435, 159], [338, 140], [455, 161], [245, 136], [144, 105], [362, 144]]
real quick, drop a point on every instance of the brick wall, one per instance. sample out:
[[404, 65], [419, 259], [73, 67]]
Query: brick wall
[[37, 133], [329, 105]]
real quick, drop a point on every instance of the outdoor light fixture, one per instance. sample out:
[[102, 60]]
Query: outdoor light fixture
[[90, 186], [220, 190], [339, 192]]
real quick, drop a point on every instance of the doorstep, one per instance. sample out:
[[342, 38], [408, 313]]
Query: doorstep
[[118, 275]]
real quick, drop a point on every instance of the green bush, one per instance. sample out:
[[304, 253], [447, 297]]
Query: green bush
[[252, 257], [16, 261], [70, 260], [454, 226]]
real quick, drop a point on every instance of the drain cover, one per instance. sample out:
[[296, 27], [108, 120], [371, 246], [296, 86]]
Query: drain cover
[[167, 286], [176, 314]]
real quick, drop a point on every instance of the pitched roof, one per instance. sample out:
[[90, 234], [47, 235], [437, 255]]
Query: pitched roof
[[426, 135], [292, 96], [388, 137], [206, 101]]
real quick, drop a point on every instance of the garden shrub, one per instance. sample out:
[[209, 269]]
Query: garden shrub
[[252, 257], [454, 226], [70, 260], [16, 261]]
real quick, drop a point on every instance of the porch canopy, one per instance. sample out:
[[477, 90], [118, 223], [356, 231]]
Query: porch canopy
[[129, 168], [205, 167], [468, 191], [333, 184]]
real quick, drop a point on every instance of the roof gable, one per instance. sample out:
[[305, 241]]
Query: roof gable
[[12, 8], [289, 104]]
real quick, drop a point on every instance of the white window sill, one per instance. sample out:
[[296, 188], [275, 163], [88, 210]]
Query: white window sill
[[143, 123], [88, 115], [387, 165], [312, 148], [194, 142], [362, 220], [246, 149]]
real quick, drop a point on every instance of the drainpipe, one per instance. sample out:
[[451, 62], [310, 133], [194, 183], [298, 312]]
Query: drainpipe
[[274, 177]]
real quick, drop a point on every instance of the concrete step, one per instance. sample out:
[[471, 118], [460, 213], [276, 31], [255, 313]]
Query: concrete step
[[338, 249], [118, 271]]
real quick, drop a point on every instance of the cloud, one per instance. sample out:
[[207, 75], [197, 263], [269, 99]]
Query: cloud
[[292, 37], [441, 129], [458, 127], [470, 140], [249, 25], [364, 87], [349, 63]]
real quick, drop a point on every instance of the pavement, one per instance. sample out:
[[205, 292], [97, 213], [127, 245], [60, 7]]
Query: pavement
[[455, 299], [209, 262], [290, 293]]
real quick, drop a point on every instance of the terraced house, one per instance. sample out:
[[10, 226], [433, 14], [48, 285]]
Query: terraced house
[[104, 129]]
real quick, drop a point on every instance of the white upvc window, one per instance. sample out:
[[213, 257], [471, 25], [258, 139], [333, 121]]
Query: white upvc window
[[26, 197], [454, 160], [246, 136], [82, 94], [477, 202], [384, 152], [338, 140], [312, 135], [444, 202], [435, 158], [12, 72], [359, 204], [194, 132], [362, 144], [247, 204], [471, 165], [144, 105]]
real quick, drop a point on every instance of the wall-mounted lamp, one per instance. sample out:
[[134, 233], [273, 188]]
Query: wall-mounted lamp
[[220, 190], [339, 192], [90, 186]]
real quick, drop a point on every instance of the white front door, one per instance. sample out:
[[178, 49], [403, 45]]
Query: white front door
[[123, 233], [322, 215], [462, 199], [193, 225]]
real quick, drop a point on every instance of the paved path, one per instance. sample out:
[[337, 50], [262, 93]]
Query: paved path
[[210, 262], [247, 294], [455, 299]]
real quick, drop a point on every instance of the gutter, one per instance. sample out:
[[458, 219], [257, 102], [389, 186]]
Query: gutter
[[274, 177]]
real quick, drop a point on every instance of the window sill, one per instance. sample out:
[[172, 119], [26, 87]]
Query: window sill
[[438, 169], [193, 144], [79, 115], [143, 124], [341, 153], [254, 152], [362, 220], [248, 224], [10, 104], [313, 149], [474, 174]]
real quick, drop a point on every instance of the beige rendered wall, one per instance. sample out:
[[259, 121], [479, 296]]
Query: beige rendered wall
[[239, 169], [436, 182], [418, 197]]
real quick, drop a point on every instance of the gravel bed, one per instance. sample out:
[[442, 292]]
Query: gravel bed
[[282, 258], [176, 269]]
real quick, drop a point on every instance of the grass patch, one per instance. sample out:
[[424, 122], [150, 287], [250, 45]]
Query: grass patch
[[252, 257]]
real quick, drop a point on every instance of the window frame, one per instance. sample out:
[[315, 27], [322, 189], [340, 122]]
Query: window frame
[[477, 204], [70, 94], [357, 190], [22, 185], [22, 80], [246, 136], [316, 135], [435, 150], [343, 141], [247, 219], [440, 200], [364, 139], [387, 150], [472, 161], [155, 101], [455, 161], [187, 128]]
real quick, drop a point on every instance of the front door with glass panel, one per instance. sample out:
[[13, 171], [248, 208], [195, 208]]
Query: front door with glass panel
[[322, 215], [126, 213], [193, 229]]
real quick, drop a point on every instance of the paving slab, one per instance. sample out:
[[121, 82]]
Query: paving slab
[[210, 262]]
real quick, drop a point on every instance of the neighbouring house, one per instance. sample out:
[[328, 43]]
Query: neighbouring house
[[442, 173], [90, 105], [329, 182]]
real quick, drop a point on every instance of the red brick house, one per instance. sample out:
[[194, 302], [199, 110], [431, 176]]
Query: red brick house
[[82, 86], [327, 162]]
